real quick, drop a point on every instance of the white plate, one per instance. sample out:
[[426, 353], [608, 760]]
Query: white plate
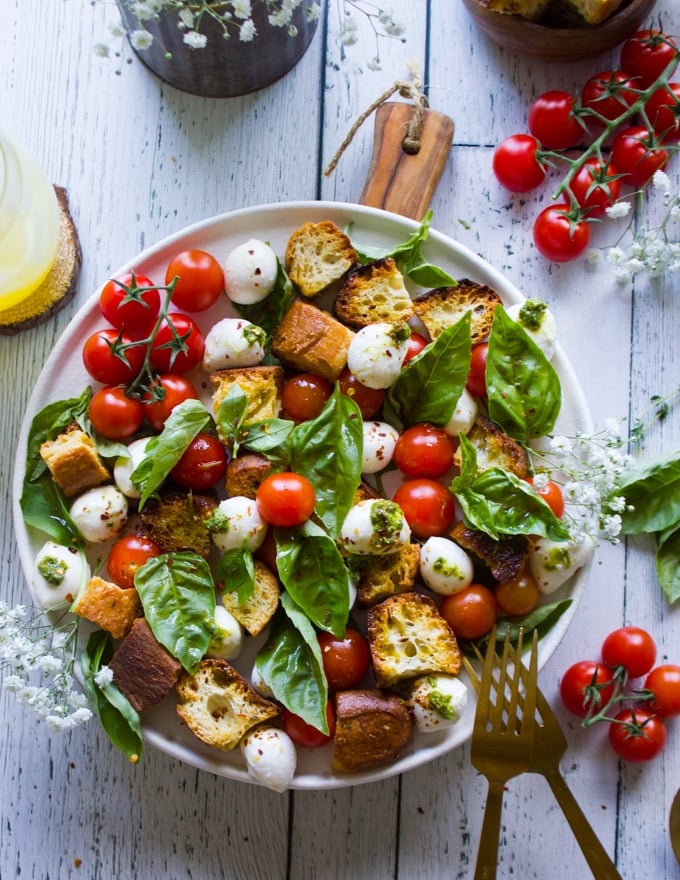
[[64, 376]]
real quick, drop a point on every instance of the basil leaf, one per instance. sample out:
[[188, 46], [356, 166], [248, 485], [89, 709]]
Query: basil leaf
[[430, 385], [291, 665], [231, 412], [235, 571], [267, 435], [523, 388], [653, 490], [47, 424], [543, 619], [668, 564], [178, 597], [269, 312], [313, 572]]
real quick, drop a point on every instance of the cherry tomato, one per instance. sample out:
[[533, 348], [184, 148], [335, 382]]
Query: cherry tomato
[[107, 358], [200, 280], [552, 495], [664, 682], [637, 735], [476, 380], [175, 390], [518, 596], [663, 111], [345, 661], [609, 94], [130, 302], [471, 612], [595, 188], [304, 734], [586, 687], [285, 499], [647, 54], [424, 451], [552, 122], [416, 344], [113, 414], [428, 506], [559, 238], [637, 155], [369, 400], [305, 395], [202, 464], [127, 556], [516, 164], [182, 354], [630, 647]]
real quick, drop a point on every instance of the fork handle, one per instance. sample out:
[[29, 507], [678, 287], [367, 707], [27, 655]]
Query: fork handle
[[487, 854], [599, 862]]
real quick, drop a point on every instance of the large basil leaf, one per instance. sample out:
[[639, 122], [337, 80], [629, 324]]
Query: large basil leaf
[[668, 564], [178, 597], [235, 571], [268, 435], [652, 489], [429, 386], [291, 664], [313, 572], [523, 388]]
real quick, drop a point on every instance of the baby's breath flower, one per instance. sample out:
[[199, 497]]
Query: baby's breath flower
[[104, 676], [141, 39], [194, 40], [618, 210], [248, 31]]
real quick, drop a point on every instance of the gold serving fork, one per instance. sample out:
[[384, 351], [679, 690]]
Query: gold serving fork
[[502, 737]]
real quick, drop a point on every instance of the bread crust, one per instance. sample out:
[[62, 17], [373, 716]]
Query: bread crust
[[373, 294], [73, 461], [318, 255], [255, 612], [371, 729], [383, 576], [444, 306], [495, 448], [177, 521], [261, 385], [108, 606], [311, 340], [142, 668], [505, 558]]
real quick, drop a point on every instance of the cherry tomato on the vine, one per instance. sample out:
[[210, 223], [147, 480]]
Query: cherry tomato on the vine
[[471, 612], [130, 302], [663, 111], [416, 344], [202, 463], [305, 395], [551, 120], [664, 682], [558, 237], [637, 735], [586, 687], [647, 54], [630, 647], [369, 400], [424, 451], [428, 506], [304, 734], [107, 357], [518, 596], [127, 556], [285, 499], [609, 93], [175, 389], [516, 164], [552, 495], [345, 660], [476, 380], [113, 414], [200, 280], [178, 351], [637, 155], [595, 187]]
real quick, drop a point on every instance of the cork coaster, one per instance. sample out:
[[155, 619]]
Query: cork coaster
[[60, 285]]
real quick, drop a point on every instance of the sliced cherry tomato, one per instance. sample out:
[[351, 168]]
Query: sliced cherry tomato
[[428, 506], [285, 499], [609, 94], [107, 357], [113, 414], [518, 596], [551, 120], [172, 390], [304, 734], [130, 302], [664, 682], [663, 111], [552, 495], [630, 647], [476, 380], [471, 612], [127, 556], [595, 187], [416, 344], [647, 54], [305, 395], [202, 464], [637, 155], [200, 280], [345, 661], [637, 735], [424, 451], [558, 237], [369, 400], [517, 165], [178, 351], [586, 687]]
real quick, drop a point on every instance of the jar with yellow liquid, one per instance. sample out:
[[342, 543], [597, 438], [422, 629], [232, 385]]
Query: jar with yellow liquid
[[29, 224]]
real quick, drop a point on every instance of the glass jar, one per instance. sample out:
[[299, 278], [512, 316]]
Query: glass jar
[[29, 224]]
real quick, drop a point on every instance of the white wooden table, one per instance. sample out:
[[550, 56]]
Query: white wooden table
[[141, 161]]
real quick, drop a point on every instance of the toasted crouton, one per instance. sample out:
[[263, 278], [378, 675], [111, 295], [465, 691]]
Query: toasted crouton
[[261, 385], [595, 11], [258, 609], [504, 558], [109, 606], [444, 306], [529, 9], [384, 576], [495, 448], [408, 637], [372, 294], [219, 705], [317, 255], [73, 461], [177, 521], [370, 729], [311, 340], [245, 473], [142, 668]]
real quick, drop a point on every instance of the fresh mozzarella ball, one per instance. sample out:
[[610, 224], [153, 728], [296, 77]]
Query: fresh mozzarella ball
[[437, 701], [376, 353], [58, 574], [227, 638], [538, 321], [233, 342], [552, 563], [374, 527], [236, 523], [379, 442], [270, 757], [100, 514], [353, 592], [260, 684], [126, 464], [463, 416], [444, 566], [250, 272]]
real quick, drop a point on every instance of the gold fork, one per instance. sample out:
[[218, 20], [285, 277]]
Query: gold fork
[[502, 737]]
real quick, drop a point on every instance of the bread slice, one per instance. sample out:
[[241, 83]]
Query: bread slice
[[142, 668], [176, 521], [529, 9], [311, 340], [107, 605], [318, 255], [370, 729], [245, 473], [219, 705], [384, 576], [504, 558], [373, 294], [73, 461], [444, 306], [495, 448], [261, 385], [408, 637], [259, 608], [595, 11]]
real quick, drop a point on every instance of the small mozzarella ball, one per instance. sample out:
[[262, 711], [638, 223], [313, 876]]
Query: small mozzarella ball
[[374, 527], [463, 416], [260, 685], [236, 523], [250, 272], [353, 593], [379, 442], [552, 563], [270, 757], [58, 574], [233, 342], [376, 354], [100, 514], [126, 464], [444, 566], [536, 319], [437, 702], [227, 638]]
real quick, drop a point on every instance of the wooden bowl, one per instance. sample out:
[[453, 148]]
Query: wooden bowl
[[560, 43]]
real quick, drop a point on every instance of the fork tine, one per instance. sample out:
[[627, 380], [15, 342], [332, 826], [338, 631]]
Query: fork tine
[[530, 683], [515, 695]]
